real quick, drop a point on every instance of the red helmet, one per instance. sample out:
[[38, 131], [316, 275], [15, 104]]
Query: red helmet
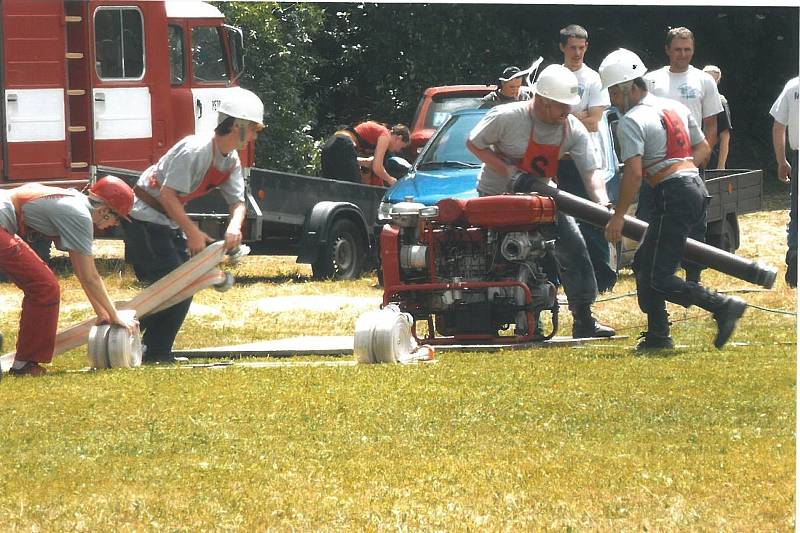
[[115, 193]]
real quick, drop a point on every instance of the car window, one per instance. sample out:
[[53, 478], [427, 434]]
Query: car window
[[440, 111], [450, 144]]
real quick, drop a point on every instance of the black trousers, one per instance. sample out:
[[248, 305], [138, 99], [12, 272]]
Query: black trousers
[[678, 212], [154, 251]]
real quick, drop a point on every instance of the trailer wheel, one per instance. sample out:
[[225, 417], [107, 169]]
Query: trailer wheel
[[343, 255], [726, 239]]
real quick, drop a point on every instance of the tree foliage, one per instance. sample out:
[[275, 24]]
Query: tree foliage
[[321, 65]]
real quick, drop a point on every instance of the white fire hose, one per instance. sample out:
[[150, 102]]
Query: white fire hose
[[113, 346], [384, 336]]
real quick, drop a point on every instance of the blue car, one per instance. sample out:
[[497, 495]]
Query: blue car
[[447, 169]]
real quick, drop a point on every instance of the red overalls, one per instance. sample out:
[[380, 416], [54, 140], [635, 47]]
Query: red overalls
[[38, 321]]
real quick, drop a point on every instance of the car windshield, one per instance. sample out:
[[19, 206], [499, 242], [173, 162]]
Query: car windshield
[[441, 110], [448, 147]]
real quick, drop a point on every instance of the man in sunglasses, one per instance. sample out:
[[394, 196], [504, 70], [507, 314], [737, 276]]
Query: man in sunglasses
[[68, 218]]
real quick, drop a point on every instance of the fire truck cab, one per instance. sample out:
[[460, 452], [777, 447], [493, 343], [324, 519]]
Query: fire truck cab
[[108, 83]]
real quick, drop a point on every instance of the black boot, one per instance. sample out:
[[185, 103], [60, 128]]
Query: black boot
[[791, 268], [726, 310], [657, 335], [584, 325]]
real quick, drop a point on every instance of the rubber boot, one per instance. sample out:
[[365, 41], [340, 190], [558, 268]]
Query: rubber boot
[[726, 310], [791, 268], [584, 324], [657, 335]]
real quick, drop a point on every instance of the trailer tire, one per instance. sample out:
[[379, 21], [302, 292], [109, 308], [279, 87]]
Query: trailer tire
[[725, 239], [343, 253]]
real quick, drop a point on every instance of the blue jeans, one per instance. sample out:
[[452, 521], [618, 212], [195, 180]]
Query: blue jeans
[[678, 212], [155, 251], [575, 267]]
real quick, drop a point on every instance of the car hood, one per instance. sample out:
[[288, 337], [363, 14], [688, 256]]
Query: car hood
[[429, 186]]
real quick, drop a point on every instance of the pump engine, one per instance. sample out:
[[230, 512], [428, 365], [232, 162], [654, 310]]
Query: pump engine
[[472, 270]]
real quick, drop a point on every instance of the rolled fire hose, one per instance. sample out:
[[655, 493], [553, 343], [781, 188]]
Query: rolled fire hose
[[384, 336], [112, 346]]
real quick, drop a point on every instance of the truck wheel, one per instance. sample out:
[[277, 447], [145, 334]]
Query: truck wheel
[[343, 254], [726, 239]]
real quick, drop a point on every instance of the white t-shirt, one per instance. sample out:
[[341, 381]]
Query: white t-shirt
[[183, 168], [694, 88], [506, 130], [785, 110], [591, 90]]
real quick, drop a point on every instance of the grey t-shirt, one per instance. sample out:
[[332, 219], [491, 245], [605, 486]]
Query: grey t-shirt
[[641, 133], [68, 217], [182, 168], [506, 129]]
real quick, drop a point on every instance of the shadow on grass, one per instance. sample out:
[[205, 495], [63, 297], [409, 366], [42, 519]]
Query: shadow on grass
[[277, 279]]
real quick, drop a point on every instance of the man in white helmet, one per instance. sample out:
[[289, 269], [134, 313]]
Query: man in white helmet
[[524, 141], [160, 236], [662, 143]]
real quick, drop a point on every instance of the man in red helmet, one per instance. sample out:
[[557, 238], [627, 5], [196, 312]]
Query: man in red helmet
[[68, 217]]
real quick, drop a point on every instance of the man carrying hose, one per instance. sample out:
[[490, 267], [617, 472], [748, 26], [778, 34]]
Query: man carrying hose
[[661, 142], [160, 236]]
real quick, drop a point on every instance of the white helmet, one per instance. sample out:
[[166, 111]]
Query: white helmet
[[620, 66], [244, 104], [558, 83]]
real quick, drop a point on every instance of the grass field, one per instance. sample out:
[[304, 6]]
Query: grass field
[[558, 439]]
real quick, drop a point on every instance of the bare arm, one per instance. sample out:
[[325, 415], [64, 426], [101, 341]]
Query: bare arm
[[700, 153], [595, 187], [591, 117], [631, 181], [196, 239], [233, 235], [377, 161], [95, 290], [710, 130], [724, 147], [492, 160], [779, 146]]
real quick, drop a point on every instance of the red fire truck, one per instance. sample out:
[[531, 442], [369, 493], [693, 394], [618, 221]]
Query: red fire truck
[[111, 84], [102, 86]]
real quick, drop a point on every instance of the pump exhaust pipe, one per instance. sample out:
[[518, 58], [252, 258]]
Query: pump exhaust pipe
[[633, 228]]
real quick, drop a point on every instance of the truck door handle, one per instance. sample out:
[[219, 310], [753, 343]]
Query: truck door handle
[[11, 97], [199, 109], [100, 97]]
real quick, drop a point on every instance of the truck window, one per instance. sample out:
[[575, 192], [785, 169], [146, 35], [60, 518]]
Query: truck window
[[118, 43], [176, 65], [208, 57]]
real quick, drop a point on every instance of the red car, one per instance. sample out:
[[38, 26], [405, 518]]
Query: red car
[[436, 106]]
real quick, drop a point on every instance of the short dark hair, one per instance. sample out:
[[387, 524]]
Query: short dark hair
[[401, 130], [225, 127], [641, 84], [573, 30], [679, 33]]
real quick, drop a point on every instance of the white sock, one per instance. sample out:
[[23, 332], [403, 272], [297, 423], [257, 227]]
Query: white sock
[[18, 364]]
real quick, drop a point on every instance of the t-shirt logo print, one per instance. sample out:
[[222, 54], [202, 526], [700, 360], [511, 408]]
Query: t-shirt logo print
[[688, 92]]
